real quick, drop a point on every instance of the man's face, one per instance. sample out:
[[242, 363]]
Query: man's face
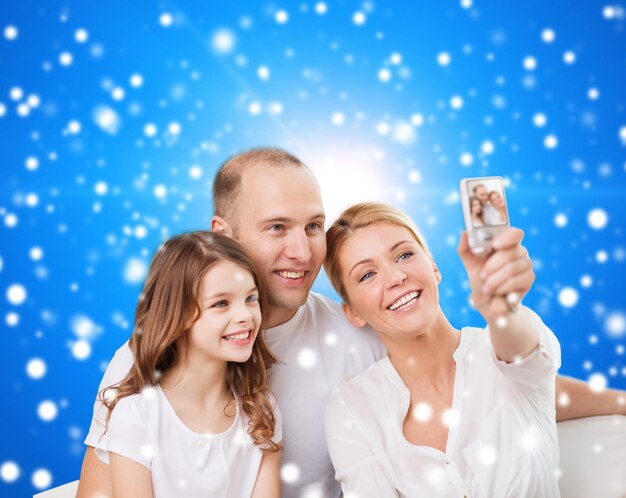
[[279, 221], [481, 193]]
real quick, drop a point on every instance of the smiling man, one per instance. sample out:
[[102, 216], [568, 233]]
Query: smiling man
[[270, 202]]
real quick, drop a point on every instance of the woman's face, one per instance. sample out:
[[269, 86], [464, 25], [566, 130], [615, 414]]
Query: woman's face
[[391, 284], [231, 316], [477, 207], [496, 199]]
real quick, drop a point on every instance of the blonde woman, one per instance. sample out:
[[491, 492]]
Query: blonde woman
[[448, 412], [497, 201]]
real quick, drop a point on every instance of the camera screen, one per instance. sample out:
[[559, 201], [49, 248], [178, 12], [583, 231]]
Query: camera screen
[[486, 202]]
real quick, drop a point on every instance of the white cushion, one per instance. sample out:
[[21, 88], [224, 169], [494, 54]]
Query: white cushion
[[66, 491], [593, 457], [593, 460]]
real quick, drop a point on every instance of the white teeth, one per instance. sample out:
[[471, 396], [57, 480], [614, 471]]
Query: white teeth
[[291, 274], [404, 299], [237, 337]]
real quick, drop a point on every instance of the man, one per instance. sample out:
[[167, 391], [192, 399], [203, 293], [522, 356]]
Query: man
[[490, 214], [270, 202]]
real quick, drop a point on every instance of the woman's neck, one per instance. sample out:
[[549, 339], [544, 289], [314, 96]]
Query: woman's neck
[[426, 356]]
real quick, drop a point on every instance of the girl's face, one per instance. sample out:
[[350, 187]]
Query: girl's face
[[477, 207], [230, 318], [390, 282]]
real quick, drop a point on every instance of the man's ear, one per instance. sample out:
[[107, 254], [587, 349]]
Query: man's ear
[[221, 226], [353, 316]]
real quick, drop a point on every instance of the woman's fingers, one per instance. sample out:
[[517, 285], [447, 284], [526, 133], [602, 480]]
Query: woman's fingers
[[498, 307], [500, 281], [500, 258], [516, 286], [508, 238]]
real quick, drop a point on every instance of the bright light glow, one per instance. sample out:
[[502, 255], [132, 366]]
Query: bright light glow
[[338, 118], [9, 471], [456, 102], [568, 297], [560, 220], [36, 368], [81, 35], [16, 294], [321, 8], [548, 35], [136, 80], [597, 218], [282, 16], [597, 382], [540, 120], [223, 41], [530, 63], [107, 119], [289, 473], [348, 177], [47, 410], [569, 57], [11, 33], [41, 479], [307, 358], [444, 59], [66, 59], [166, 19], [359, 18], [466, 159], [384, 75], [422, 412], [551, 142], [615, 324]]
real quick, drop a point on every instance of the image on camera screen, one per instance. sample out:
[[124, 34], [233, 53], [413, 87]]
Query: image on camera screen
[[486, 203]]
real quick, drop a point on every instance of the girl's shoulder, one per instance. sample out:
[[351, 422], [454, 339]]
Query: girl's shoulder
[[139, 405]]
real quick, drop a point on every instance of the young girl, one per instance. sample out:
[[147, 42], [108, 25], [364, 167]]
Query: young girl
[[449, 412], [476, 208], [195, 417]]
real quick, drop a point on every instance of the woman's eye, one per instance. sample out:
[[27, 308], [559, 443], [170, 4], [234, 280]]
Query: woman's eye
[[253, 298], [405, 255], [220, 304], [366, 276]]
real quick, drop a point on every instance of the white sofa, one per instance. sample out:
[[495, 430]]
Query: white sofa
[[593, 460]]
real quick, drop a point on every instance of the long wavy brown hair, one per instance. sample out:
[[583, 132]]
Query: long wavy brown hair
[[167, 309]]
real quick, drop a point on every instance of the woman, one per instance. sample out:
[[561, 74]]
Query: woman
[[497, 201], [195, 417], [448, 412], [476, 210]]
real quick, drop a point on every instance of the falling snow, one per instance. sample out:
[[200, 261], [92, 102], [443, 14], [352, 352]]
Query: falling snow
[[114, 133]]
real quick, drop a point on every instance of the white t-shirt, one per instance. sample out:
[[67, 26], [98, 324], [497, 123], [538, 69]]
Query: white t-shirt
[[316, 348], [502, 438], [145, 428], [491, 216]]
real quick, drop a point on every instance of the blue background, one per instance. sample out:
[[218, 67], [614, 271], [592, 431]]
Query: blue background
[[367, 106]]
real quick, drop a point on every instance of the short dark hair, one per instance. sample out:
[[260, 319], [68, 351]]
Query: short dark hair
[[476, 187], [227, 183]]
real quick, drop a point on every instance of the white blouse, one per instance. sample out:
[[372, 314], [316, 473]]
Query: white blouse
[[145, 428], [502, 435]]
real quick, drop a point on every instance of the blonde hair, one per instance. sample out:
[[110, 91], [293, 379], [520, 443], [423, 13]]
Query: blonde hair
[[168, 307], [356, 217]]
